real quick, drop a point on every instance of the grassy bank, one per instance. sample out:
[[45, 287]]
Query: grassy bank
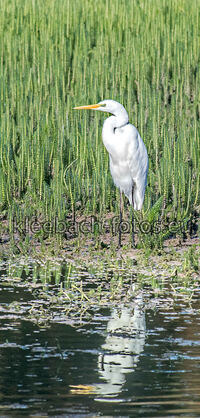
[[58, 54]]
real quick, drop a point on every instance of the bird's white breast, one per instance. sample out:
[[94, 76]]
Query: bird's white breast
[[128, 158]]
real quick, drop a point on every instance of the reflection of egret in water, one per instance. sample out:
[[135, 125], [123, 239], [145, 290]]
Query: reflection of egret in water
[[124, 343]]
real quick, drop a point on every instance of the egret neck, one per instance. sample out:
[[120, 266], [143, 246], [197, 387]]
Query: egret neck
[[118, 120]]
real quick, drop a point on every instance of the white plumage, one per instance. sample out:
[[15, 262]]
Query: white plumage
[[127, 152]]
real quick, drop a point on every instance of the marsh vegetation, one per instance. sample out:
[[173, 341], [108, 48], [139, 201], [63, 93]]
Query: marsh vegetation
[[55, 55]]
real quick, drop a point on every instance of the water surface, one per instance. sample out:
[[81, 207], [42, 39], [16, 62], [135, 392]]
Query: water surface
[[139, 359]]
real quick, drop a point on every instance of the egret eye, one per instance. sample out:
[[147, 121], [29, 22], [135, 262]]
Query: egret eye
[[103, 104]]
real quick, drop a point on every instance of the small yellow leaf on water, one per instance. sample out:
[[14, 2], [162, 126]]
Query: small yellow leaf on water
[[82, 389]]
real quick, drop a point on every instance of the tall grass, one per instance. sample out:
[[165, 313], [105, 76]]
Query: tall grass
[[58, 54]]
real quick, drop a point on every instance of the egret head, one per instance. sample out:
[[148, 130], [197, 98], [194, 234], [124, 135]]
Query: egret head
[[109, 106]]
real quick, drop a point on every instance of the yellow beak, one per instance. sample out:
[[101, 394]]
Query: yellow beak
[[94, 106]]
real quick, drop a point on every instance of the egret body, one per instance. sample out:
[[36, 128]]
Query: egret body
[[127, 152]]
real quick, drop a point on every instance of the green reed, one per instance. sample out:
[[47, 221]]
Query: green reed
[[58, 54]]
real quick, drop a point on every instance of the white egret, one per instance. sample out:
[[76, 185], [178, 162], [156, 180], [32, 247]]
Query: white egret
[[127, 152]]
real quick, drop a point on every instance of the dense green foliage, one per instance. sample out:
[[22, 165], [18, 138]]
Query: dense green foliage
[[58, 54]]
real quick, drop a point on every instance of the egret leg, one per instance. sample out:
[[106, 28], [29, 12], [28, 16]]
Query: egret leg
[[132, 228], [132, 222], [120, 219]]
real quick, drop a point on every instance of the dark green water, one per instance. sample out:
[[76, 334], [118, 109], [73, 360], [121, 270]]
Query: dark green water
[[130, 361]]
